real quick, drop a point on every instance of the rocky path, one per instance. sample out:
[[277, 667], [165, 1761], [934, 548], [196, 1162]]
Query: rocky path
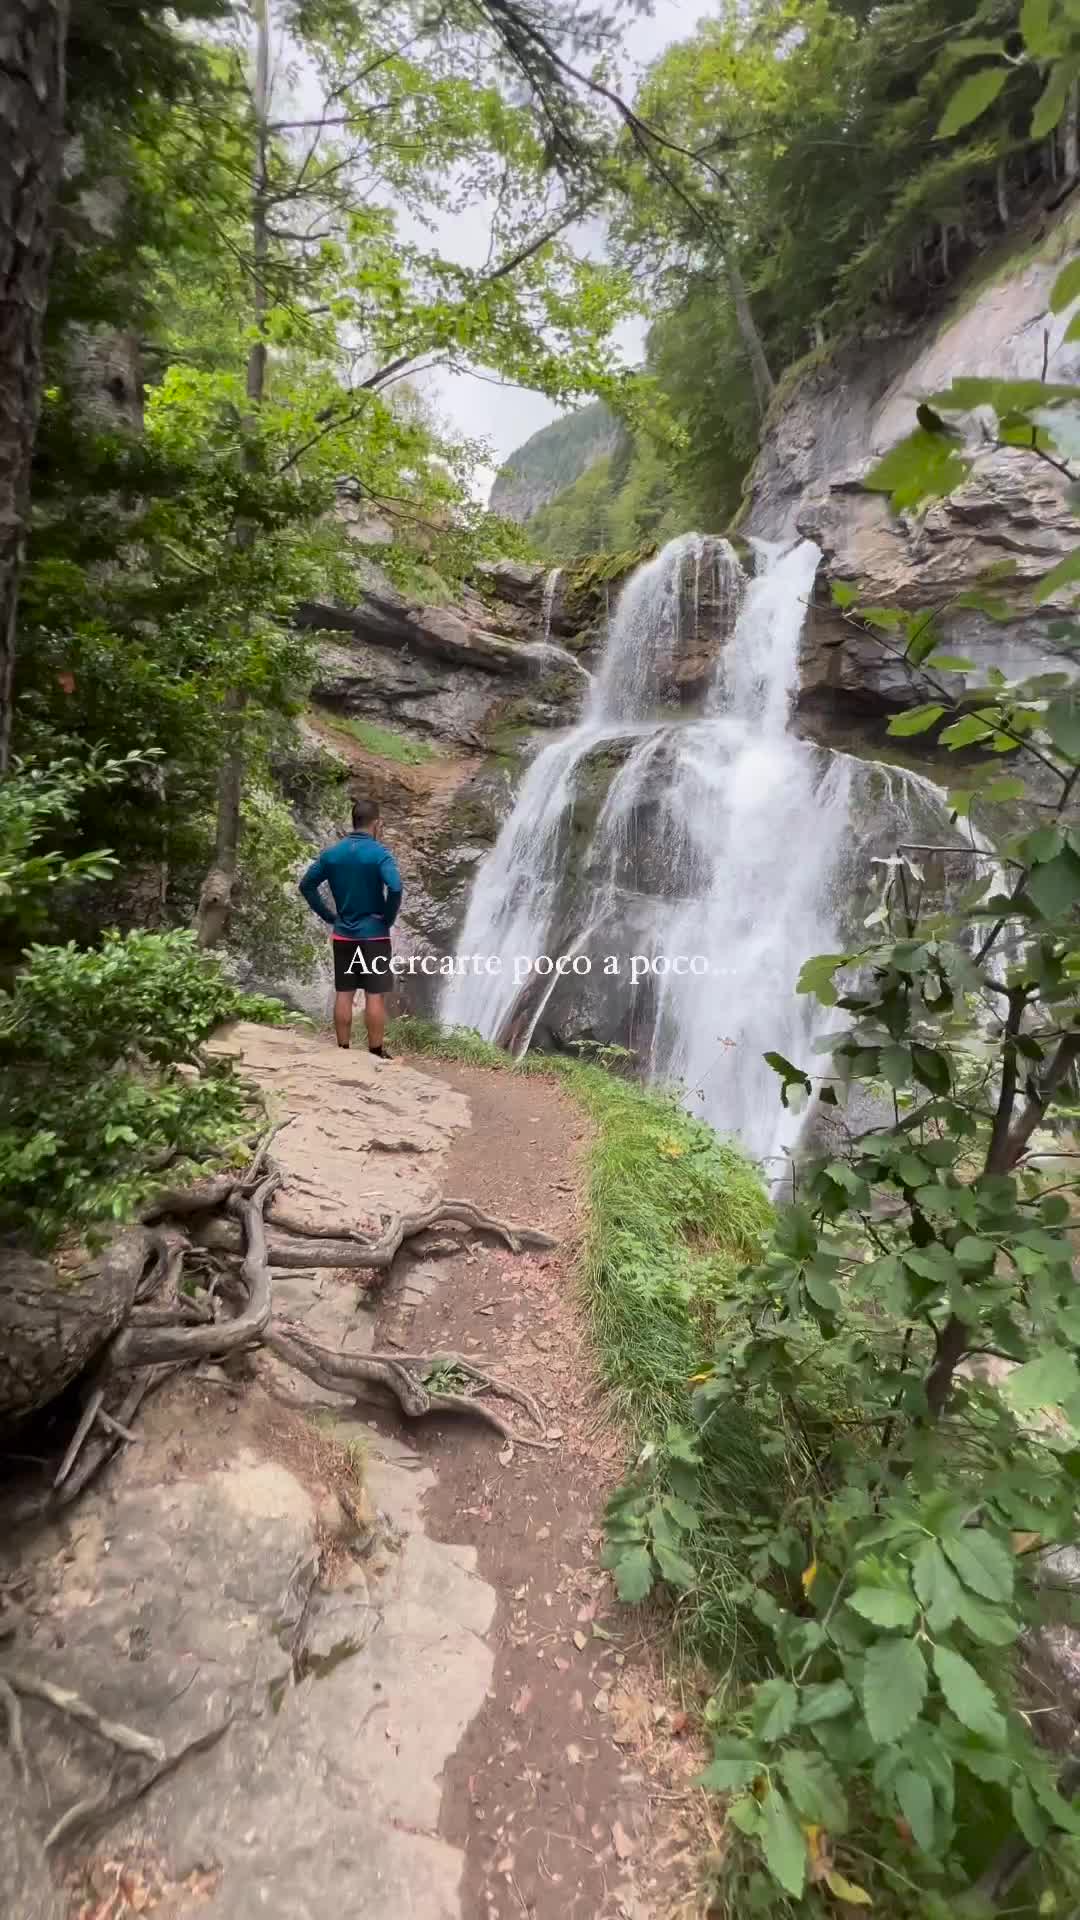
[[378, 1661]]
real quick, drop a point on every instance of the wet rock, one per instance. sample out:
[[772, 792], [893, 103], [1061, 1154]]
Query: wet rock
[[836, 422]]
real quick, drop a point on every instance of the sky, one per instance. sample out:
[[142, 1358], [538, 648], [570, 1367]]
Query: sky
[[504, 416]]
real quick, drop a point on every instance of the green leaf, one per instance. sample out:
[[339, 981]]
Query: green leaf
[[931, 1069], [774, 1706], [821, 1288], [966, 732], [816, 976], [936, 1584], [634, 1576], [951, 663], [745, 1814], [844, 594], [916, 1802], [982, 1562], [916, 720], [918, 468], [1053, 100], [1054, 886], [894, 1064], [968, 1695], [1050, 1381], [972, 97], [824, 1700], [815, 1789], [922, 644], [734, 1764], [969, 48], [1009, 789], [884, 1607], [972, 1251], [1063, 575], [1063, 725], [1035, 27], [676, 1571], [683, 1514], [783, 1843], [1066, 287], [1028, 1814], [894, 1688]]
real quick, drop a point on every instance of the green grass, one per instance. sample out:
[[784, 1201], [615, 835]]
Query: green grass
[[384, 741], [673, 1212]]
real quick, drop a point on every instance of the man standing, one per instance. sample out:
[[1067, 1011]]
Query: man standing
[[366, 887]]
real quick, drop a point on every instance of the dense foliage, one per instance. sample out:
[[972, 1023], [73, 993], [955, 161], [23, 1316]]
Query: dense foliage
[[909, 1342], [830, 176]]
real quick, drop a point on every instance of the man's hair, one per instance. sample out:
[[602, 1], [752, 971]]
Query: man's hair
[[364, 813]]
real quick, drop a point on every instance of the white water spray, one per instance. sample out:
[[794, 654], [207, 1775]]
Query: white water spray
[[721, 837]]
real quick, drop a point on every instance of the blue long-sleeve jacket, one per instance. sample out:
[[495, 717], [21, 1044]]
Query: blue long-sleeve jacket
[[365, 884]]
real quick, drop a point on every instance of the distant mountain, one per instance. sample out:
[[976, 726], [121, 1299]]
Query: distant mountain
[[552, 460]]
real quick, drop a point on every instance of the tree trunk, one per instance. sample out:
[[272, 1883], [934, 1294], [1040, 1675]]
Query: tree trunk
[[764, 385], [54, 1323], [1070, 134], [33, 36], [215, 899]]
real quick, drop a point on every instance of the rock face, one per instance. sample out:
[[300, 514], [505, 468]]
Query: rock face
[[446, 672], [838, 420]]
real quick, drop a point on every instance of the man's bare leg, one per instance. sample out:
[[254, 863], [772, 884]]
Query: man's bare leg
[[375, 1019], [343, 1013]]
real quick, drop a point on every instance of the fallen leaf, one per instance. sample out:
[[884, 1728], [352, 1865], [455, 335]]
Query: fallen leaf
[[621, 1840], [577, 1703], [561, 1665], [573, 1754], [507, 1454], [602, 1701], [808, 1576], [522, 1700], [580, 1641], [506, 1864]]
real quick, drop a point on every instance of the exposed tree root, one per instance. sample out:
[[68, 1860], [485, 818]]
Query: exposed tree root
[[99, 1809], [127, 1739], [148, 1346], [9, 1700], [345, 1373], [293, 1243], [159, 1338]]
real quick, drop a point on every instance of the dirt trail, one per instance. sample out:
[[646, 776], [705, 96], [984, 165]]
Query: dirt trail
[[558, 1791]]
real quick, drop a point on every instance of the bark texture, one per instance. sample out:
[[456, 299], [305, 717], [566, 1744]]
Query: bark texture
[[52, 1324], [33, 35]]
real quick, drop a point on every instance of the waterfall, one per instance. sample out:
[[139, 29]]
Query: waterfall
[[722, 840], [551, 585]]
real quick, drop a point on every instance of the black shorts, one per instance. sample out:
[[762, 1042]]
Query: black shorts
[[363, 965]]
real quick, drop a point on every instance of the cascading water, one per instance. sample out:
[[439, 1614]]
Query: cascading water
[[723, 843], [547, 604]]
